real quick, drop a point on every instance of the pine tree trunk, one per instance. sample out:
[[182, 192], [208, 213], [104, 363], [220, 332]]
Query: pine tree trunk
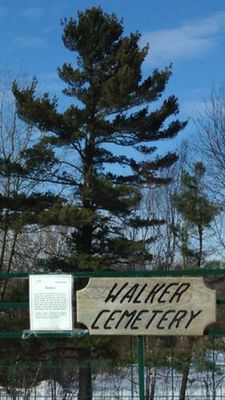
[[147, 384], [186, 370], [200, 233], [153, 385], [150, 383], [184, 382], [85, 375], [84, 246]]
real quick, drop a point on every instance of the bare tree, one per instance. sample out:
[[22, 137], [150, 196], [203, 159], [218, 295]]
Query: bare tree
[[21, 244], [157, 206], [209, 147], [211, 142]]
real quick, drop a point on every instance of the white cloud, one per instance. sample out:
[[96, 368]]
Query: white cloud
[[193, 39], [32, 13]]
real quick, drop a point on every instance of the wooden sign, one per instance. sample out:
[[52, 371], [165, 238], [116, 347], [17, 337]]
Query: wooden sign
[[146, 306]]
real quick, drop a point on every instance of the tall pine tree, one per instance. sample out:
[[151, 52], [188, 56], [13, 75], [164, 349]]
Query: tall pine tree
[[109, 129], [107, 132]]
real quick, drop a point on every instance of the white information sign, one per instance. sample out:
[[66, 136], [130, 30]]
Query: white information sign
[[50, 302]]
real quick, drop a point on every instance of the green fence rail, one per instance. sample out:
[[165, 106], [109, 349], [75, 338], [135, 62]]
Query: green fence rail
[[200, 272]]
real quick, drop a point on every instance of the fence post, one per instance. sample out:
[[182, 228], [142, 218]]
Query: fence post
[[214, 370], [141, 378], [13, 368], [172, 374]]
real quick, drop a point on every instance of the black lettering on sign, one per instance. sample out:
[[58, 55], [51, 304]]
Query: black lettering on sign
[[111, 318], [160, 293], [178, 317], [155, 290], [163, 298], [192, 317], [154, 313], [137, 298], [164, 306], [112, 296], [129, 315], [130, 293], [180, 291], [137, 318], [164, 319], [93, 326]]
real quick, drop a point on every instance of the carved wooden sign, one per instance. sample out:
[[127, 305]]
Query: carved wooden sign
[[146, 306]]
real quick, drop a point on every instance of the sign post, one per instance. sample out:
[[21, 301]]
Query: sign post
[[141, 368]]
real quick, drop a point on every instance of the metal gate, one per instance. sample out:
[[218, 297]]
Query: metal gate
[[44, 365]]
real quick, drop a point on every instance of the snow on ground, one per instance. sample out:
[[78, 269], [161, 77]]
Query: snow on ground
[[123, 385]]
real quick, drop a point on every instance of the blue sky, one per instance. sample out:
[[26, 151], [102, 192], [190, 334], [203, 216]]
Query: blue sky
[[189, 34]]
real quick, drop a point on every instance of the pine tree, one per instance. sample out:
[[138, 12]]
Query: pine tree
[[197, 211], [109, 128], [108, 132]]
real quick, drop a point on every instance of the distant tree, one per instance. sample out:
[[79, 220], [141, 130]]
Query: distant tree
[[197, 211], [210, 144], [108, 133], [157, 203], [20, 201], [22, 240]]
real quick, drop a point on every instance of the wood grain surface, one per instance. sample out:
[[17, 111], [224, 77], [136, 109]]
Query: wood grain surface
[[146, 306]]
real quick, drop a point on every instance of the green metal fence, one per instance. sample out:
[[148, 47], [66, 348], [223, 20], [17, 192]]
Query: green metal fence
[[44, 365]]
